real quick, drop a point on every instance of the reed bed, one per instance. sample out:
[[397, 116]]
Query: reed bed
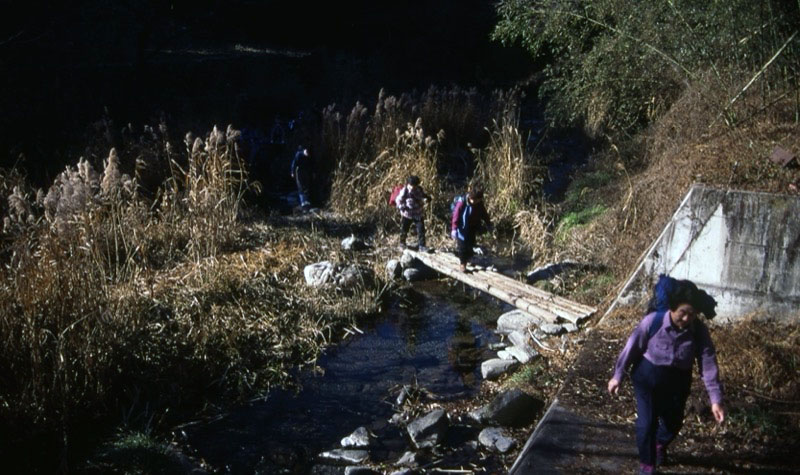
[[110, 296]]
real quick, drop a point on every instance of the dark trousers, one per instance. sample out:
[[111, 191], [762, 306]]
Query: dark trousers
[[661, 393], [464, 249], [405, 224]]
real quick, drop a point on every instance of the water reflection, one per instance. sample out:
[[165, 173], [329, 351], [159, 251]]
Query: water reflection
[[435, 336]]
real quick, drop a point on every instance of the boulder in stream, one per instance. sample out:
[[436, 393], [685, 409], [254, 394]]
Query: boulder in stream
[[429, 430], [518, 338], [522, 353], [359, 439], [494, 368], [517, 320], [496, 438]]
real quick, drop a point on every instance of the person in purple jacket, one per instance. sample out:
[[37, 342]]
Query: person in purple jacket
[[661, 351]]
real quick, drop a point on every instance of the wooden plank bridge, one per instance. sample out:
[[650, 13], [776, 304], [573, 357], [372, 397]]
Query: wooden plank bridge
[[536, 302]]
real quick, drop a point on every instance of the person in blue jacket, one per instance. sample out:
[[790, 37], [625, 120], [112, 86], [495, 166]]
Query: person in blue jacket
[[468, 216], [301, 172]]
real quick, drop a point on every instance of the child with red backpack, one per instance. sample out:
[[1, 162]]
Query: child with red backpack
[[411, 202], [661, 351]]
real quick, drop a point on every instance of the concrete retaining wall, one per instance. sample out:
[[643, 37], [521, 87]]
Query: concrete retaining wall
[[741, 247]]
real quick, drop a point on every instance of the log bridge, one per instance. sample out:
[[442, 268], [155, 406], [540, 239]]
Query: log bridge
[[536, 302]]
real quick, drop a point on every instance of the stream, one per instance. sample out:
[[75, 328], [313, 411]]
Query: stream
[[435, 338]]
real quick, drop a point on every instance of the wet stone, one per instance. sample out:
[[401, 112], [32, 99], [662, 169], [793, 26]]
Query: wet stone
[[358, 439], [494, 368], [518, 338], [345, 455], [429, 430], [495, 438], [505, 355], [523, 354]]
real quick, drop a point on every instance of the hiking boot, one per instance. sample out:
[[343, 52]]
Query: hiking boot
[[661, 455]]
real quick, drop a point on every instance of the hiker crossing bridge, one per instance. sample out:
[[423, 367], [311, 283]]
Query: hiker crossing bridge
[[536, 302]]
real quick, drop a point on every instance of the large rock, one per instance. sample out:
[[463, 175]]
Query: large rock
[[522, 353], [516, 320], [512, 408], [359, 439], [495, 438], [494, 368], [345, 455], [429, 430], [518, 338], [505, 355], [352, 276], [319, 274]]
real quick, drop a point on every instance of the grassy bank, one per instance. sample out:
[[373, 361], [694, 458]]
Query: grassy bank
[[125, 306]]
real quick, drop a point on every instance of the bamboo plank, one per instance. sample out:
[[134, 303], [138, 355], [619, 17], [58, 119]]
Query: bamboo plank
[[532, 293], [534, 301]]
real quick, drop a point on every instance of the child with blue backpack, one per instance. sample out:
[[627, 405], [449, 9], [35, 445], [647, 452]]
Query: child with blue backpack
[[661, 351], [468, 215]]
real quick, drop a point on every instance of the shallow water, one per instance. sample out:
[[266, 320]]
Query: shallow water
[[437, 341]]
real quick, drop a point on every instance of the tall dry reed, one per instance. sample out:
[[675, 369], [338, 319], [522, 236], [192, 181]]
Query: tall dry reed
[[108, 297]]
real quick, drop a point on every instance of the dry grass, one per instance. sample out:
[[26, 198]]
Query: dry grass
[[648, 177], [108, 298]]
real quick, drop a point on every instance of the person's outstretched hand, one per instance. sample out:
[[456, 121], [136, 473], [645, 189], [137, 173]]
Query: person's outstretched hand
[[613, 386], [719, 412]]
